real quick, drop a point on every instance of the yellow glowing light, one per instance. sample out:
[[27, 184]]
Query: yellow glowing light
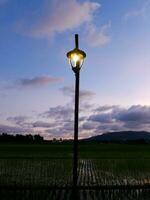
[[75, 57]]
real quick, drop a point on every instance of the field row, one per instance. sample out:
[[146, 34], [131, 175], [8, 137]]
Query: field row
[[82, 194], [58, 172]]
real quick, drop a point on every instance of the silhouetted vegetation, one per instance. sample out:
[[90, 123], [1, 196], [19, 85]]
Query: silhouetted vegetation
[[128, 137], [4, 137]]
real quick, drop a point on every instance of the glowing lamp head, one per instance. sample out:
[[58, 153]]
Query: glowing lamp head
[[76, 58]]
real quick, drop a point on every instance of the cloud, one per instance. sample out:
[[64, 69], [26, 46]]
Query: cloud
[[57, 17], [59, 112], [89, 125], [134, 13], [106, 108], [136, 113], [103, 117], [135, 117], [18, 120], [59, 133], [96, 121], [23, 121], [84, 94], [14, 129], [103, 128], [138, 12], [98, 37], [63, 130], [42, 124], [38, 81], [61, 16]]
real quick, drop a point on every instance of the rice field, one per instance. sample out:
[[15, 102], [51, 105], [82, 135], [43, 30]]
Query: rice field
[[37, 168], [66, 194], [58, 172]]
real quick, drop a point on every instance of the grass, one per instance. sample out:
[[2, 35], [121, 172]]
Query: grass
[[91, 151]]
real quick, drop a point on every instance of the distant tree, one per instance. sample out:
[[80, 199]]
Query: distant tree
[[38, 138], [54, 140], [18, 138]]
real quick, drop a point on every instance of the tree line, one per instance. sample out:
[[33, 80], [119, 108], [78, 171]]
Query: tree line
[[4, 137]]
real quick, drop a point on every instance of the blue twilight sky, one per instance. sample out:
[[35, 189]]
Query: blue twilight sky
[[36, 82]]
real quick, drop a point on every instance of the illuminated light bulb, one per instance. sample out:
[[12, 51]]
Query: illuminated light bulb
[[75, 57]]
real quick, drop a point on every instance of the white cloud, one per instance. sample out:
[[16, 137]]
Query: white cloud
[[134, 13], [138, 12], [98, 37], [59, 16]]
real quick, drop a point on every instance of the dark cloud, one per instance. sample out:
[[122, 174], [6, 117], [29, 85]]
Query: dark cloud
[[100, 120], [42, 124], [106, 108], [136, 113], [89, 126], [104, 118], [62, 127], [66, 128], [59, 112], [102, 128], [23, 122], [38, 81], [136, 117], [19, 120], [84, 94], [14, 129], [83, 118]]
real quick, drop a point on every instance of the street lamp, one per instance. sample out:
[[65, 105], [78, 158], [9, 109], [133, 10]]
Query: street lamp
[[76, 59]]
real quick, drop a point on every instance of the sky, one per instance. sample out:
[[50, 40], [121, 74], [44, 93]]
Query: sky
[[37, 83]]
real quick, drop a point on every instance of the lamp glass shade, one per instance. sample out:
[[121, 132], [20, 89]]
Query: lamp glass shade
[[76, 58]]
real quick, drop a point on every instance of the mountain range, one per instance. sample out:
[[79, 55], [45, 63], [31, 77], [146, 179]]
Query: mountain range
[[121, 136]]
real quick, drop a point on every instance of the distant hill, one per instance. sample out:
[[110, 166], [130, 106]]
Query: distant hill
[[121, 136]]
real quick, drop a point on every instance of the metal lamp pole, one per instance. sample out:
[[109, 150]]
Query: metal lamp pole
[[76, 58], [76, 119]]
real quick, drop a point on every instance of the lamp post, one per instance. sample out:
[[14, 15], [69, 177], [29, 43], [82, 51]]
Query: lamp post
[[76, 59]]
